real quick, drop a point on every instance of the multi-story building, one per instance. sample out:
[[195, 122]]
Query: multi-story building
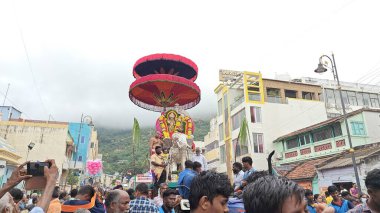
[[329, 137], [49, 139], [355, 95], [81, 135], [271, 107]]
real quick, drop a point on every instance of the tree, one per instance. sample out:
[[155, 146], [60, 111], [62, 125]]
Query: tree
[[72, 179]]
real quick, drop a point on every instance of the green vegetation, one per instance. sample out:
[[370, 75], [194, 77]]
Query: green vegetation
[[116, 147]]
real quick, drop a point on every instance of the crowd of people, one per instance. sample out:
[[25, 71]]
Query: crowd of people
[[205, 191]]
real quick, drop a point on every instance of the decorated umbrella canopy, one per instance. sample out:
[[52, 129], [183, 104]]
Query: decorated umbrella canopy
[[165, 64], [160, 92]]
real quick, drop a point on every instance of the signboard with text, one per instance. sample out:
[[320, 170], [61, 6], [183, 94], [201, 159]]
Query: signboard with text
[[229, 75]]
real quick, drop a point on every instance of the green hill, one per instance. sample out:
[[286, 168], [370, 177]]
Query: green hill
[[116, 147]]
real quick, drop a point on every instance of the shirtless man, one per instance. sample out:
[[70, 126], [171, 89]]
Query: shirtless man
[[153, 142]]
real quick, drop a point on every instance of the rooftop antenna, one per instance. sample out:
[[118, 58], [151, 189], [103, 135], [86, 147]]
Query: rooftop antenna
[[5, 97]]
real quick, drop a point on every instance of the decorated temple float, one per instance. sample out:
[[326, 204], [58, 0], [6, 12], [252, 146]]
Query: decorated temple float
[[165, 84]]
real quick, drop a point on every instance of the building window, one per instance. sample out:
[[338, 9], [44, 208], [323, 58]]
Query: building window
[[305, 139], [220, 107], [80, 158], [273, 95], [307, 95], [237, 119], [82, 139], [221, 132], [223, 153], [253, 87], [352, 98], [292, 143], [322, 134], [255, 114], [337, 129], [357, 128], [92, 145], [213, 145], [374, 100], [359, 96], [258, 143], [330, 98], [366, 101], [290, 94]]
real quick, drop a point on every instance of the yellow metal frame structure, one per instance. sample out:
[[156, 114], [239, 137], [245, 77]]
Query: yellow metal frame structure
[[250, 81]]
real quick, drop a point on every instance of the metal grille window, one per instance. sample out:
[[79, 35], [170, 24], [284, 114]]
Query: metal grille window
[[292, 143], [322, 134], [358, 128]]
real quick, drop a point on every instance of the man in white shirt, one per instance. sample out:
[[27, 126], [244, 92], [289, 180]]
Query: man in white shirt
[[237, 168], [200, 158]]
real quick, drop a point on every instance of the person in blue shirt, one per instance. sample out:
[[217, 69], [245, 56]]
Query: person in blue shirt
[[340, 205], [185, 178], [310, 201], [169, 201]]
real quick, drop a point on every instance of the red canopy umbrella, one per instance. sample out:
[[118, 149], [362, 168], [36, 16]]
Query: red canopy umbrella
[[160, 92], [165, 64]]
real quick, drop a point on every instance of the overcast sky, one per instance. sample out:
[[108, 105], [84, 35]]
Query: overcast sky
[[81, 53]]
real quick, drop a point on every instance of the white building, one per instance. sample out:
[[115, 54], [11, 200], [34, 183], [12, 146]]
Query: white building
[[271, 108]]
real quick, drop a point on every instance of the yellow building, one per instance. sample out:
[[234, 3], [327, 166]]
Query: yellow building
[[49, 140]]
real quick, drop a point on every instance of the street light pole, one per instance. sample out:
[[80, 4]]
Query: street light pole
[[321, 69]]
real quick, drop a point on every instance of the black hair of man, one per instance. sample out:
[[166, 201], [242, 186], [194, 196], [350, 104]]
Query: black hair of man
[[113, 196], [209, 184], [373, 179], [256, 175], [157, 147], [130, 192], [196, 165], [316, 197], [268, 193], [73, 193], [17, 194], [238, 165], [169, 192], [118, 187], [142, 188], [87, 190], [247, 159], [332, 189], [55, 192], [308, 192], [63, 195], [327, 193], [189, 164], [345, 193]]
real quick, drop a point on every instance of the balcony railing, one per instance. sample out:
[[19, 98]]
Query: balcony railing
[[274, 99], [237, 103]]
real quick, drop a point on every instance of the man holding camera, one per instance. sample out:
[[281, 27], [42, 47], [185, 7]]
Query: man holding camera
[[20, 174]]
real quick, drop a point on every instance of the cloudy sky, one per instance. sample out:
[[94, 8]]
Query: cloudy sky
[[65, 58]]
